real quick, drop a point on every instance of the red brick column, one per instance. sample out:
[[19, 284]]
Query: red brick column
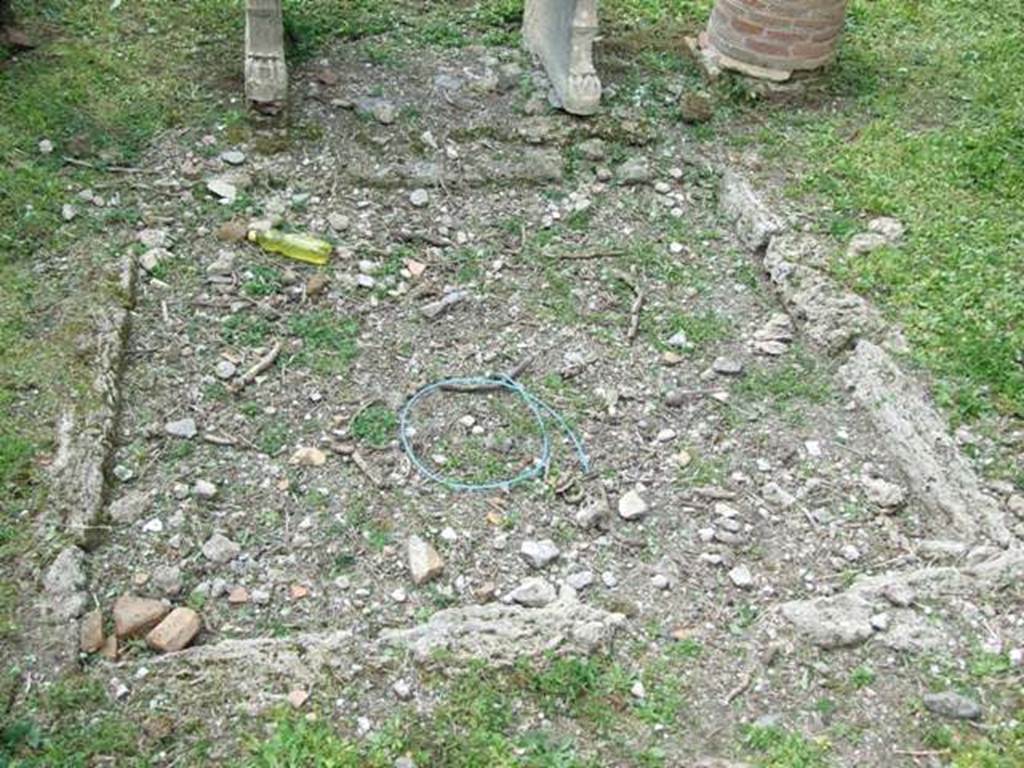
[[779, 35]]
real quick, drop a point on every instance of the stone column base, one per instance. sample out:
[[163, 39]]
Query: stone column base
[[561, 33]]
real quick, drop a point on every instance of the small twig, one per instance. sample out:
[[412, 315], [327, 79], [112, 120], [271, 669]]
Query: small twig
[[613, 254], [364, 467], [638, 303], [107, 168], [514, 373], [921, 752], [407, 236], [261, 365], [741, 687]]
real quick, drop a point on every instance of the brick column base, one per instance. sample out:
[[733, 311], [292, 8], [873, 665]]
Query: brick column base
[[773, 38]]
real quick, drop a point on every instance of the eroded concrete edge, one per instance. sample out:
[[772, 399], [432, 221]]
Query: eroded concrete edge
[[841, 323], [87, 441]]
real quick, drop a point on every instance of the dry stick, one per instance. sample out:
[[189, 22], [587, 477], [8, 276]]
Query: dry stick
[[521, 366], [921, 752], [261, 365], [614, 254], [745, 681], [638, 303], [109, 168], [364, 467]]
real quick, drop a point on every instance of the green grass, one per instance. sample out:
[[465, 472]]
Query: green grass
[[377, 425], [775, 747], [328, 340], [930, 129]]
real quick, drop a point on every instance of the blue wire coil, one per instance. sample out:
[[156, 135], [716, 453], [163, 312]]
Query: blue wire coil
[[540, 410]]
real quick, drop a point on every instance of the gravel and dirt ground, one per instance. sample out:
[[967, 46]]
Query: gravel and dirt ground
[[732, 476]]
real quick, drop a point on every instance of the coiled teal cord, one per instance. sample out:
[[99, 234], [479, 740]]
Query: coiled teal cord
[[541, 412]]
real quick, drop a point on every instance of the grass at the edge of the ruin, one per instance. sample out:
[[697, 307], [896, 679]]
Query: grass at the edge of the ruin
[[923, 121]]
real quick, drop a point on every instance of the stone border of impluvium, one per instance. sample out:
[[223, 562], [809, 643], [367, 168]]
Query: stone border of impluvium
[[844, 325]]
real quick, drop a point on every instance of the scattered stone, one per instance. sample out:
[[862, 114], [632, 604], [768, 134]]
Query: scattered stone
[[865, 243], [204, 489], [68, 212], [45, 147], [609, 579], [338, 221], [636, 170], [533, 593], [109, 649], [156, 525], [952, 705], [539, 554], [384, 112], [638, 691], [223, 189], [882, 493], [880, 622], [1016, 656], [365, 281], [775, 494], [632, 506], [309, 457], [220, 549], [594, 150], [152, 258], [679, 340], [850, 553], [233, 157], [592, 514], [580, 581], [175, 632], [889, 228], [223, 265], [183, 428], [416, 268], [665, 435], [727, 366], [225, 370], [753, 221], [741, 577], [1016, 506], [695, 107], [238, 596], [899, 595], [831, 622], [424, 561], [134, 616], [436, 308], [153, 238], [775, 336], [317, 284], [402, 690], [404, 762], [65, 574], [486, 592], [660, 581], [167, 580], [419, 198], [231, 232], [297, 698], [90, 634]]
